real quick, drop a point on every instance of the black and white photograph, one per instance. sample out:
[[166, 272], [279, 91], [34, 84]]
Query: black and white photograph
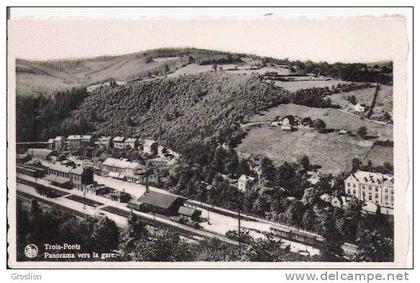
[[265, 137]]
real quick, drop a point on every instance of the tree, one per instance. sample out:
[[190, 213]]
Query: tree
[[164, 246], [308, 219], [133, 232], [268, 169], [389, 169], [105, 234], [374, 247], [330, 251], [387, 116], [304, 162], [35, 210], [319, 125], [355, 164], [232, 163], [165, 69], [244, 168], [362, 132], [294, 213], [331, 248], [352, 100], [261, 205]]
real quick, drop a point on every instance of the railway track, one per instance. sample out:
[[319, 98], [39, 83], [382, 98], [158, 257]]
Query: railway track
[[154, 221]]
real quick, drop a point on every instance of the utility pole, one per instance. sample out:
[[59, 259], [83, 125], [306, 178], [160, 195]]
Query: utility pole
[[84, 197], [239, 231]]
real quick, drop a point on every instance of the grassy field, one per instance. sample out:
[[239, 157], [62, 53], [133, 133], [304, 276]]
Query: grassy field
[[332, 151], [379, 154], [363, 96], [46, 77], [245, 69], [308, 82], [384, 100], [334, 118]]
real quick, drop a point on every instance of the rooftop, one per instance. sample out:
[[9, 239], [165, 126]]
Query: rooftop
[[121, 163], [246, 178], [119, 139], [131, 140], [39, 151], [373, 178], [74, 137], [105, 138], [157, 199], [148, 142], [78, 170]]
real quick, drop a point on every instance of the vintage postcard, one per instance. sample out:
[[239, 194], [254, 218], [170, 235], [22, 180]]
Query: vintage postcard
[[209, 138]]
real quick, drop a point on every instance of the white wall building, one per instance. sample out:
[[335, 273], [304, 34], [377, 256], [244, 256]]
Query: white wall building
[[150, 147], [245, 182], [370, 187]]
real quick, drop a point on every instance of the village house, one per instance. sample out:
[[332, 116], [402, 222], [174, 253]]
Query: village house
[[275, 124], [119, 142], [150, 147], [287, 123], [120, 168], [245, 183], [342, 132], [342, 201], [87, 140], [60, 143], [358, 108], [104, 142], [372, 187], [74, 142], [50, 144], [145, 176], [41, 153], [325, 197], [132, 143], [70, 176]]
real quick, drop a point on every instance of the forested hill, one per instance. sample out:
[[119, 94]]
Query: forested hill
[[173, 111]]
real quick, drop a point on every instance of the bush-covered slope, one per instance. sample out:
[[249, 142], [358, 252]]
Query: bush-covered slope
[[173, 111]]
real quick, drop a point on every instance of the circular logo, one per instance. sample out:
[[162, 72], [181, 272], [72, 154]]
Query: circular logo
[[31, 251]]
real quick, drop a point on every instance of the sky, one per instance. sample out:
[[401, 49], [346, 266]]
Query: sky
[[43, 34]]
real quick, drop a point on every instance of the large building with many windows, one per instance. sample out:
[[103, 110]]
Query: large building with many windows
[[70, 176], [373, 188]]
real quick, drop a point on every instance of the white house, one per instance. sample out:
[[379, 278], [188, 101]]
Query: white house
[[132, 143], [358, 108], [150, 147], [245, 182], [372, 187], [119, 142]]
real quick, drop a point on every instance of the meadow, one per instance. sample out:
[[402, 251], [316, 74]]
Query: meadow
[[334, 118]]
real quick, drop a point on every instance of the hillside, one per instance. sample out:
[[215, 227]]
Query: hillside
[[173, 111], [47, 77]]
